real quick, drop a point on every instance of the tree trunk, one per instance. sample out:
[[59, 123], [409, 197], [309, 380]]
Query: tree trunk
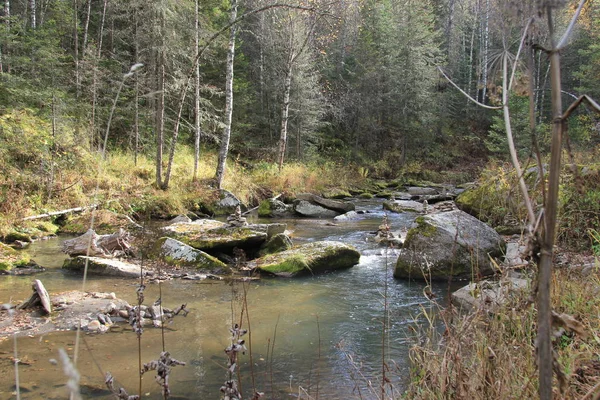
[[285, 111], [32, 19], [197, 95], [160, 121], [544, 341], [86, 27], [95, 77], [224, 149], [486, 41], [76, 50]]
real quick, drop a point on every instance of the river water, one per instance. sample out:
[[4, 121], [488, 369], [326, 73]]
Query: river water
[[319, 336]]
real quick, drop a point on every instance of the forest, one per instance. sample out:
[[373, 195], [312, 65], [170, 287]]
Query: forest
[[158, 109]]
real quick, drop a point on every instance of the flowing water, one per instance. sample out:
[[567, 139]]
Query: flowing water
[[309, 335]]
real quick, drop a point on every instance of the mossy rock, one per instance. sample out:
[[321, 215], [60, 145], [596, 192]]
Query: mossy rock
[[11, 258], [31, 230], [16, 235], [450, 244], [215, 236], [336, 193], [271, 208], [178, 253], [278, 243], [105, 222], [365, 196], [384, 194], [311, 258]]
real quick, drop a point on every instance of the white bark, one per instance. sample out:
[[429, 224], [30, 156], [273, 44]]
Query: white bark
[[32, 17], [197, 96], [228, 98]]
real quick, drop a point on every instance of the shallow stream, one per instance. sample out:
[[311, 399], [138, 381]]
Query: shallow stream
[[310, 335]]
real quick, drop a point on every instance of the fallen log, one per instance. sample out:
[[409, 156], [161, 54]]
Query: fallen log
[[62, 212]]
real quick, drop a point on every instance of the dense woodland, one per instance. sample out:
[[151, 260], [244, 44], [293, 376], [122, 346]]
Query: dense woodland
[[351, 80]]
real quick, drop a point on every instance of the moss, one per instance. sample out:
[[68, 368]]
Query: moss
[[11, 258], [365, 195], [423, 228], [15, 235], [291, 265], [264, 209]]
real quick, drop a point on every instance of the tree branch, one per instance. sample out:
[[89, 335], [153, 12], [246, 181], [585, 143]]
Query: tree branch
[[514, 67], [466, 94], [565, 36], [582, 99]]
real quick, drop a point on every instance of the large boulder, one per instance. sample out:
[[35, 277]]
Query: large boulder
[[448, 244], [311, 258], [227, 203], [103, 266], [307, 209], [175, 252], [273, 208], [215, 236]]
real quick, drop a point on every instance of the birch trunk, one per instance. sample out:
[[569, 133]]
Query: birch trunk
[[197, 96], [285, 111], [224, 149], [32, 19], [76, 50], [486, 40], [160, 123], [86, 27], [95, 77]]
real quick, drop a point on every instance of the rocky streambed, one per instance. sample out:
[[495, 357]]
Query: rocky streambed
[[365, 245]]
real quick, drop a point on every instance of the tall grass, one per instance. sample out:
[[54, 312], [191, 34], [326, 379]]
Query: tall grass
[[484, 356]]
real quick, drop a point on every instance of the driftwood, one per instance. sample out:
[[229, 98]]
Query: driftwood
[[55, 213], [39, 297], [113, 245]]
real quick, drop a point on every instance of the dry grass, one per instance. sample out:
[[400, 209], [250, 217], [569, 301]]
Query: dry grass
[[481, 356]]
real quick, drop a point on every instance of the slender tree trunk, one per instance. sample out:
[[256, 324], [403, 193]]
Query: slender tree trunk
[[197, 95], [32, 17], [486, 41], [76, 49], [224, 149], [544, 342], [95, 77], [4, 65], [160, 123], [86, 27], [285, 110], [137, 92]]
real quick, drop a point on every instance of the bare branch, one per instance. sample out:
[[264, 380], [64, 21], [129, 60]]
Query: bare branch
[[565, 37], [582, 99], [514, 67], [466, 94]]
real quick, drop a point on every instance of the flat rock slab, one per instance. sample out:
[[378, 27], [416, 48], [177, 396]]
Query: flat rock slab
[[307, 209], [103, 266], [310, 258], [488, 295], [215, 236], [400, 206]]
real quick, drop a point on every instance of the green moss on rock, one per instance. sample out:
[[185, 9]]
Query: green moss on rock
[[11, 258], [311, 258]]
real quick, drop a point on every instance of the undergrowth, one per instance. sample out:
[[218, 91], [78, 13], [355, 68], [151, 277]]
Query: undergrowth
[[493, 356]]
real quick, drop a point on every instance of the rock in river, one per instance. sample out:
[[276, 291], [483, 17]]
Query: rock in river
[[448, 244], [175, 252], [214, 236], [310, 258], [103, 266]]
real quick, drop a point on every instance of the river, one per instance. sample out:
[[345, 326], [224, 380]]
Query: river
[[317, 334]]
